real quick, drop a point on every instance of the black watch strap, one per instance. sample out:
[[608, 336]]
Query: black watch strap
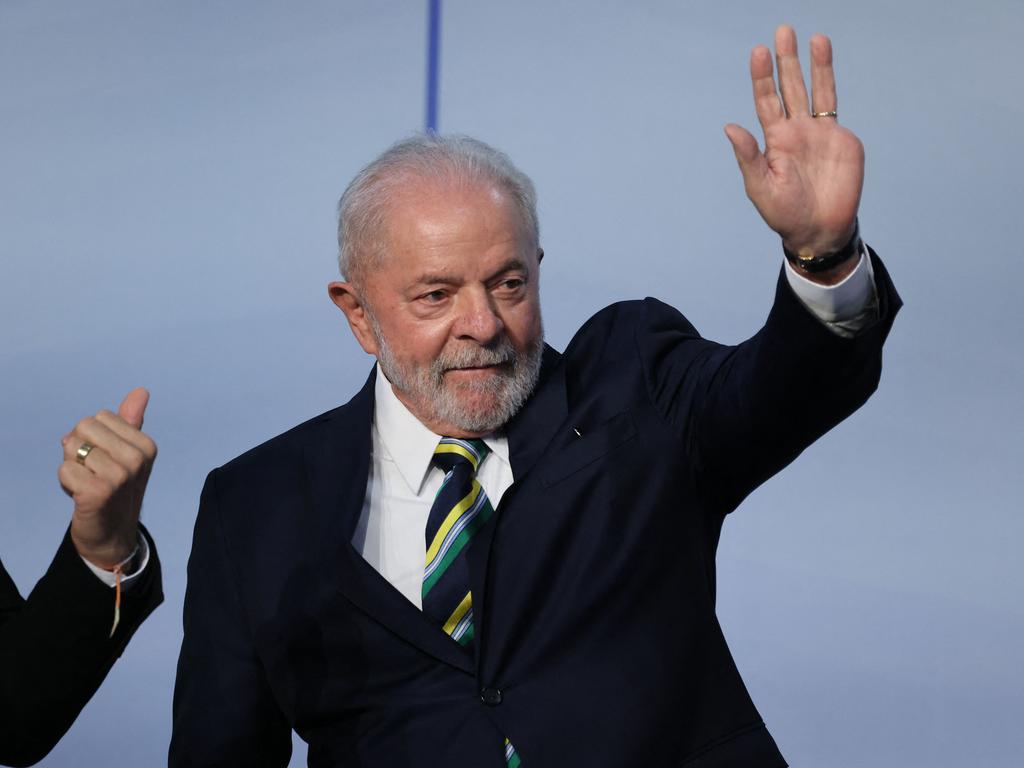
[[826, 261]]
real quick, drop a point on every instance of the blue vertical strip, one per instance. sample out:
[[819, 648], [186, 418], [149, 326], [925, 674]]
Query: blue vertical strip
[[433, 63]]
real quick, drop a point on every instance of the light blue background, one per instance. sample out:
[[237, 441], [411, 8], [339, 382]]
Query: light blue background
[[168, 176]]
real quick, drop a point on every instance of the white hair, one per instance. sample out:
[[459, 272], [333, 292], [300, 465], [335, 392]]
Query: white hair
[[363, 208]]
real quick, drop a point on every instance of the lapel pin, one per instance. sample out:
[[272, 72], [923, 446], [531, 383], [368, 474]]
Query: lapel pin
[[577, 432]]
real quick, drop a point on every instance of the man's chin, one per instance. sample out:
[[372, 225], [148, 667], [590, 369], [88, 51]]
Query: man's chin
[[475, 402], [479, 408]]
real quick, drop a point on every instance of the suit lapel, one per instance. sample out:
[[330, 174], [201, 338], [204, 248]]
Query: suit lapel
[[337, 469], [529, 434], [533, 427]]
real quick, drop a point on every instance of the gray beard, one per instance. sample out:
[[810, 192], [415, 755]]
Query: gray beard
[[425, 385]]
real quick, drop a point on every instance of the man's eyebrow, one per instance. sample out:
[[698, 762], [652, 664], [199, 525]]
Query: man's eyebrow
[[511, 265], [429, 279]]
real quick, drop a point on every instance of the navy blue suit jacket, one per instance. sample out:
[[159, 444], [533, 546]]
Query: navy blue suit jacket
[[56, 648], [593, 584]]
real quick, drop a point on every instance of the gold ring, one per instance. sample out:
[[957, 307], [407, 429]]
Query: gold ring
[[831, 113], [82, 452]]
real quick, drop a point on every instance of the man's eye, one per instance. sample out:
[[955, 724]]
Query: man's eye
[[433, 297], [512, 284]]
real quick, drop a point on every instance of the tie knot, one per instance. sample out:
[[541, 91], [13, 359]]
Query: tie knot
[[455, 451]]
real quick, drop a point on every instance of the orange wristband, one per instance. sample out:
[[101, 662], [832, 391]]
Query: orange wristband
[[118, 571]]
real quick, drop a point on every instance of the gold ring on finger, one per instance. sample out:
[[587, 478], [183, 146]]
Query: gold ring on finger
[[82, 452], [830, 113]]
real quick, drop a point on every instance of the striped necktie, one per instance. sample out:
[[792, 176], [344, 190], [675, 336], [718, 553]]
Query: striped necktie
[[460, 509]]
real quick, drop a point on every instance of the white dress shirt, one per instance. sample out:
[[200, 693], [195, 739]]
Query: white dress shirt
[[391, 533], [402, 484]]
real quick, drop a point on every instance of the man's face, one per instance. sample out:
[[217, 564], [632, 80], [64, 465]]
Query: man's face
[[453, 308]]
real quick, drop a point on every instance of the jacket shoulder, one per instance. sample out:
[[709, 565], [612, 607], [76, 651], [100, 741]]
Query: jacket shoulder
[[611, 333]]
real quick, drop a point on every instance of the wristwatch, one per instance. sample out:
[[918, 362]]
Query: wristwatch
[[826, 261]]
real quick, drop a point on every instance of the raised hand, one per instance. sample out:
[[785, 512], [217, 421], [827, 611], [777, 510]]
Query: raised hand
[[807, 182], [108, 483]]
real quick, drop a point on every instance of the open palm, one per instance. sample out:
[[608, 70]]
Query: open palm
[[807, 182]]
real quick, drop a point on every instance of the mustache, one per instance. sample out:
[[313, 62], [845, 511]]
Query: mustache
[[502, 353]]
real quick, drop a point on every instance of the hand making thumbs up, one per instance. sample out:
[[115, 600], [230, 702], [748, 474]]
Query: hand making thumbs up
[[107, 461]]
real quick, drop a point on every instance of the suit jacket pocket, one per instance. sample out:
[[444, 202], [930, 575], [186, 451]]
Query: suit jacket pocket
[[593, 443]]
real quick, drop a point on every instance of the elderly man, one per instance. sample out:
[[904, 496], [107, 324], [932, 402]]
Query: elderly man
[[498, 554], [57, 646]]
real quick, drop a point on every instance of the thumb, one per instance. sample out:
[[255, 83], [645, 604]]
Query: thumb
[[744, 145], [133, 407]]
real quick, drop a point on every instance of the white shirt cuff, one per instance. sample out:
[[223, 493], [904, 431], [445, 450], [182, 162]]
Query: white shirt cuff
[[845, 307], [110, 579]]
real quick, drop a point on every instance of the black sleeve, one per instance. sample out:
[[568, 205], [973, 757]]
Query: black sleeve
[[746, 411], [56, 647], [224, 712]]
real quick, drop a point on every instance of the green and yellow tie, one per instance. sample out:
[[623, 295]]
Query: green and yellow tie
[[460, 509]]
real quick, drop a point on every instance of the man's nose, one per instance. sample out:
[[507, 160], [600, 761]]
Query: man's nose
[[477, 320]]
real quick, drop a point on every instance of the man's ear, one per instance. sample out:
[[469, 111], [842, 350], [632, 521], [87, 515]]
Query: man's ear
[[348, 300], [540, 255]]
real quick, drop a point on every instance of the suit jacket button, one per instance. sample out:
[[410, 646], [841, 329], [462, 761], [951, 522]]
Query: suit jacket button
[[490, 696]]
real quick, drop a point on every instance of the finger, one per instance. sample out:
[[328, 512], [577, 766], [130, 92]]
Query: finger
[[70, 444], [791, 79], [91, 430], [766, 98], [79, 482], [98, 462], [823, 81], [128, 433], [748, 155], [73, 477], [133, 407]]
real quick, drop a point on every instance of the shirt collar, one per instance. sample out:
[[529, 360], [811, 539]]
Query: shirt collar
[[410, 444]]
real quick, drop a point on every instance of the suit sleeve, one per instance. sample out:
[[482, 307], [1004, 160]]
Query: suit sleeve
[[224, 710], [56, 648], [744, 412]]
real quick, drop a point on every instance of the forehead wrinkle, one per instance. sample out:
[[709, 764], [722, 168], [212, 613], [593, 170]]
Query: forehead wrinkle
[[428, 222], [451, 195]]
